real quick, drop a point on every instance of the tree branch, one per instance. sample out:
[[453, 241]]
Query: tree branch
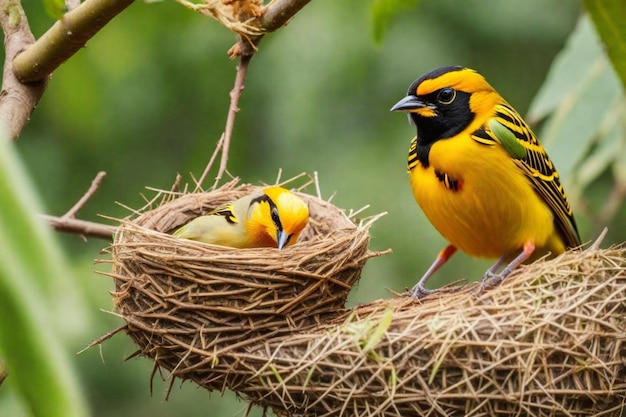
[[71, 213], [81, 227], [69, 224], [17, 100], [279, 12], [235, 94], [65, 38]]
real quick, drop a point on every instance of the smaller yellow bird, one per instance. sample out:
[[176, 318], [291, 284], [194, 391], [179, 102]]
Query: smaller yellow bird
[[272, 217]]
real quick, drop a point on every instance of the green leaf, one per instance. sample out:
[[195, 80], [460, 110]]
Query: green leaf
[[610, 142], [383, 11], [379, 331], [54, 8], [609, 17], [507, 139], [581, 91], [570, 68], [38, 368]]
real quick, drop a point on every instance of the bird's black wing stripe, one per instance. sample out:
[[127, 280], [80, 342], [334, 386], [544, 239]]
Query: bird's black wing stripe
[[541, 172], [227, 211], [538, 168]]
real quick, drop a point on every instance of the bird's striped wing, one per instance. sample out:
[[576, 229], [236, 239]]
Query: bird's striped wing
[[226, 210], [509, 129]]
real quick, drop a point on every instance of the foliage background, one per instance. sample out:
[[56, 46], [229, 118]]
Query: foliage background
[[147, 99]]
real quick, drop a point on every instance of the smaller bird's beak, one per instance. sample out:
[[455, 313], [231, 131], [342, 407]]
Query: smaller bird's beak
[[281, 238], [408, 103]]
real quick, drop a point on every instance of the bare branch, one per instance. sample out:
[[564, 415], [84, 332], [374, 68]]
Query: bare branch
[[65, 38], [17, 100], [69, 224], [279, 12], [71, 213], [235, 94], [81, 227]]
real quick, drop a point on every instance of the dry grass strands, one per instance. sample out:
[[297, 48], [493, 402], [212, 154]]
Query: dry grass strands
[[238, 16], [551, 341], [187, 304], [270, 325]]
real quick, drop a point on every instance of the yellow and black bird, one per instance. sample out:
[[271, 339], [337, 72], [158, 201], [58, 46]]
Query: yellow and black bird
[[272, 217], [481, 176]]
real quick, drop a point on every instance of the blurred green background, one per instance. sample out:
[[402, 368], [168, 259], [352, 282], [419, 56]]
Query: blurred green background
[[147, 99]]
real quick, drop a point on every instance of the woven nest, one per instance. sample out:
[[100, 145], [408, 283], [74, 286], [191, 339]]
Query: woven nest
[[271, 326], [179, 295]]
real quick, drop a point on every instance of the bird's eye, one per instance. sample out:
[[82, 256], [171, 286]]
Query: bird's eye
[[275, 217], [446, 95]]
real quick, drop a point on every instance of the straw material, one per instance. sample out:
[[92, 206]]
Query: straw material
[[236, 15], [179, 294], [271, 325], [551, 341]]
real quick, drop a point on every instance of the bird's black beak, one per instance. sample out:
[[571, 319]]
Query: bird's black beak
[[408, 103]]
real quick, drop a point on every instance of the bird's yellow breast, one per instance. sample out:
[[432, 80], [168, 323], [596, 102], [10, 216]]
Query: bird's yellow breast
[[480, 201]]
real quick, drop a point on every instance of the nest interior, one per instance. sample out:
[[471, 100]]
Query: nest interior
[[550, 341], [180, 296]]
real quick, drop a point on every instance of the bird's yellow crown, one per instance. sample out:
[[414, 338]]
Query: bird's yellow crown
[[279, 215], [481, 95]]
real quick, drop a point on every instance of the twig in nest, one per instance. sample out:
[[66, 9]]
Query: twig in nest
[[596, 245], [102, 338]]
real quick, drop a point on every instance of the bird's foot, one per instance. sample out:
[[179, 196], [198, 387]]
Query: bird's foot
[[419, 291], [489, 280]]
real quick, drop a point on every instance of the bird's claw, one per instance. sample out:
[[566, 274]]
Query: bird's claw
[[419, 291], [489, 280]]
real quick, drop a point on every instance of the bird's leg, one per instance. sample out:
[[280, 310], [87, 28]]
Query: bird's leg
[[419, 290], [529, 248], [491, 272]]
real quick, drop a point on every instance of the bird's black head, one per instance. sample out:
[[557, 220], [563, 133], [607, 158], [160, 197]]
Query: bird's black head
[[438, 103]]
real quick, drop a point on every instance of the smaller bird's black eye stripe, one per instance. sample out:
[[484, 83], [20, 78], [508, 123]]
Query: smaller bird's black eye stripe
[[273, 209]]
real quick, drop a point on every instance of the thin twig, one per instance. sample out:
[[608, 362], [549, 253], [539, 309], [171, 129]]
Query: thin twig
[[235, 94], [103, 338], [210, 164], [596, 245], [80, 227], [279, 12], [95, 184]]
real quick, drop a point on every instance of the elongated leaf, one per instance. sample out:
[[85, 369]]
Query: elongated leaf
[[571, 66], [610, 142], [609, 17], [37, 367], [383, 11], [581, 91]]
